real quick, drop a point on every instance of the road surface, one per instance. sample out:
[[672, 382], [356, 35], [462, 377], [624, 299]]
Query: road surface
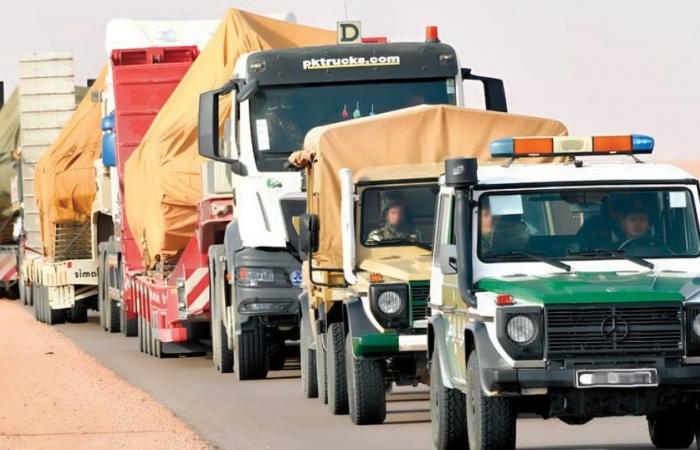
[[271, 414]]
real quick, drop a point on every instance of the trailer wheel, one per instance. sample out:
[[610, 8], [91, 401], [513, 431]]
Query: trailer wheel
[[112, 316], [335, 370], [447, 411], [251, 351], [307, 357], [321, 378], [490, 420], [126, 326], [671, 430], [366, 390], [77, 313]]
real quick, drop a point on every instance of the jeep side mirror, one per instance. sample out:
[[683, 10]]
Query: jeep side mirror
[[208, 141], [448, 259], [308, 235]]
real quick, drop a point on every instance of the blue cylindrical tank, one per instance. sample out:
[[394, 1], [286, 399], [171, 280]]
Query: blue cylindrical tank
[[109, 156]]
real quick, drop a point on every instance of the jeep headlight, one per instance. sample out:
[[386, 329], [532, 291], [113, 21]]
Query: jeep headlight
[[522, 330], [696, 325], [390, 302]]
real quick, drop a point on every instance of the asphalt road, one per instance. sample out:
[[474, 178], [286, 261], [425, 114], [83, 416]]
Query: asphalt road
[[271, 414]]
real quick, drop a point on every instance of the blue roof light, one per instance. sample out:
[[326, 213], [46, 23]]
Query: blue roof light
[[502, 147], [642, 143]]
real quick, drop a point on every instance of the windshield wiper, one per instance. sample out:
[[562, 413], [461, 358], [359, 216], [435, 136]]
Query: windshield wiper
[[607, 252], [535, 257], [423, 245]]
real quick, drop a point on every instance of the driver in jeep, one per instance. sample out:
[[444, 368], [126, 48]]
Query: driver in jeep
[[395, 227]]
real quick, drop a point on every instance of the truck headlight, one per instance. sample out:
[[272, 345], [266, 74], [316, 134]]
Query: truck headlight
[[389, 302], [521, 329], [253, 276]]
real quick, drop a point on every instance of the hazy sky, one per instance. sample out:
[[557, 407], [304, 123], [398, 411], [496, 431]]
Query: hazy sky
[[600, 66]]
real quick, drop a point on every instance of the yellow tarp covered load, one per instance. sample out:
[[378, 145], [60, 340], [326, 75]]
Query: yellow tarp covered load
[[9, 140], [422, 134], [162, 177], [64, 181]]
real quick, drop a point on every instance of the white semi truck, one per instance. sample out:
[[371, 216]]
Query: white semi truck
[[277, 96]]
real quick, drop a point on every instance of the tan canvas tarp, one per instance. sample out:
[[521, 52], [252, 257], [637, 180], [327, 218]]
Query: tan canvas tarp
[[422, 134], [9, 140], [162, 178], [64, 181]]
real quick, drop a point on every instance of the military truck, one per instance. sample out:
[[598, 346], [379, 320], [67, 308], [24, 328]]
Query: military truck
[[366, 241], [564, 290]]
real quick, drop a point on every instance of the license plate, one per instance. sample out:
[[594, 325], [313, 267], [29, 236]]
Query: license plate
[[612, 378]]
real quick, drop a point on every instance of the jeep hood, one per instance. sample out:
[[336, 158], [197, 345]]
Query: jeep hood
[[404, 268], [598, 287]]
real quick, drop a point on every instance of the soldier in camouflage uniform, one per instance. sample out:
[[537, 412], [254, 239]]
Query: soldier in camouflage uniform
[[395, 226]]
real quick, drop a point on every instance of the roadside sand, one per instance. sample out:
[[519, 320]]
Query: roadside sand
[[52, 395]]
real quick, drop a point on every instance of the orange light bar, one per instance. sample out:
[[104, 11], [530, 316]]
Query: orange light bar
[[607, 144], [533, 146]]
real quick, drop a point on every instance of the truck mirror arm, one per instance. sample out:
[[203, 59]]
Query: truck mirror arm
[[494, 91]]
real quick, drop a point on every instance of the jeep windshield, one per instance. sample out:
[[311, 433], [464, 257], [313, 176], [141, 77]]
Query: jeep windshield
[[282, 115], [398, 215], [630, 223]]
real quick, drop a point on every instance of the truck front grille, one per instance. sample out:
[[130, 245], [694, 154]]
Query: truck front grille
[[419, 294], [594, 330]]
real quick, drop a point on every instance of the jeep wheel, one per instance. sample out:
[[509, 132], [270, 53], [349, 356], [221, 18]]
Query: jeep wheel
[[490, 420], [671, 431], [366, 390], [307, 357], [447, 411], [250, 353], [321, 378], [335, 370]]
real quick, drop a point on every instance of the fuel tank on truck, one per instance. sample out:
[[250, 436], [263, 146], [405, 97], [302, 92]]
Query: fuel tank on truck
[[163, 175]]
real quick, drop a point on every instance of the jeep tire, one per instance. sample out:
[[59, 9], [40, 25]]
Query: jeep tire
[[671, 430], [335, 370], [78, 313], [490, 420], [366, 389], [447, 411], [251, 351], [307, 357]]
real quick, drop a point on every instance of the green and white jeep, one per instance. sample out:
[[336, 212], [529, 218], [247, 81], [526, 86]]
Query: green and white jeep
[[565, 290]]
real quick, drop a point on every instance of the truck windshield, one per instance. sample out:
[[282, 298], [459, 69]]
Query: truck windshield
[[399, 215], [588, 224], [281, 116]]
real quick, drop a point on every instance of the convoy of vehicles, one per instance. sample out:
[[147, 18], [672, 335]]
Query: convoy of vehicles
[[350, 202]]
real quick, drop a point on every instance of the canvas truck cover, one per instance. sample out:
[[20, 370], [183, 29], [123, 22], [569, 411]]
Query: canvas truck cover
[[65, 176], [9, 141], [162, 176], [417, 135]]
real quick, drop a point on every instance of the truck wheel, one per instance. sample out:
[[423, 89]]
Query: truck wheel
[[307, 357], [12, 292], [335, 370], [126, 326], [447, 411], [77, 313], [56, 316], [112, 316], [221, 354], [251, 351], [276, 352], [366, 390], [490, 420], [671, 431], [321, 378]]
